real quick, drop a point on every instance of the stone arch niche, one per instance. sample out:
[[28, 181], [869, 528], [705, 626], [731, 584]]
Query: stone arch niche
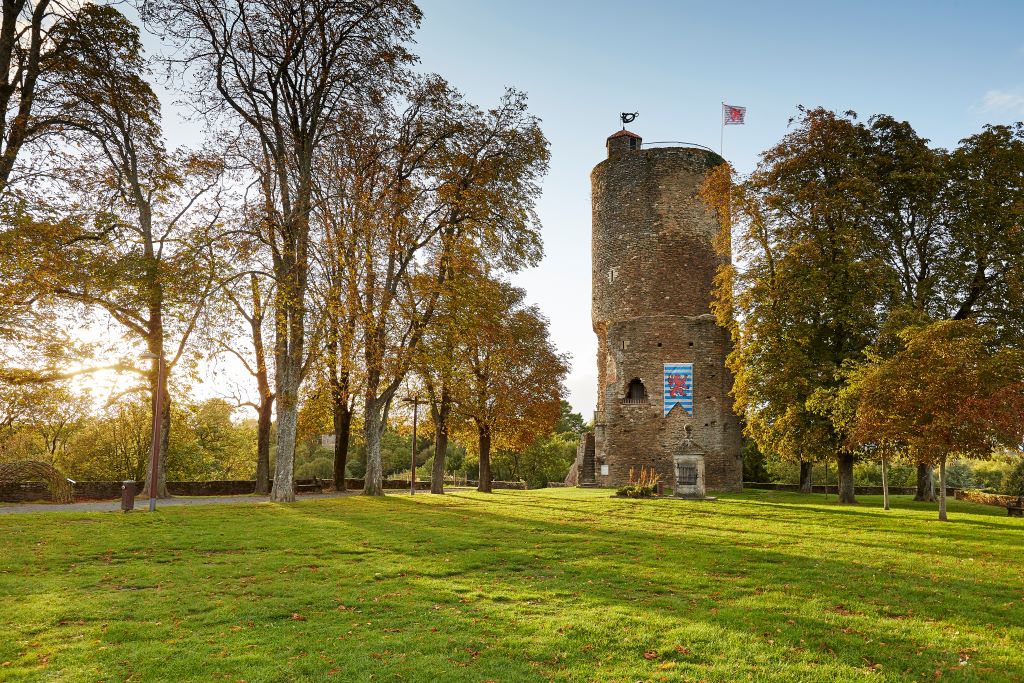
[[636, 392]]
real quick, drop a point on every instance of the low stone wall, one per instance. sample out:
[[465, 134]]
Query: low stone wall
[[989, 498], [857, 490], [107, 490], [23, 491]]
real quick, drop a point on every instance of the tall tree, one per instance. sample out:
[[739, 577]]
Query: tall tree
[[286, 72], [514, 388], [801, 299], [343, 185], [441, 364], [943, 225], [240, 311], [131, 245], [433, 181]]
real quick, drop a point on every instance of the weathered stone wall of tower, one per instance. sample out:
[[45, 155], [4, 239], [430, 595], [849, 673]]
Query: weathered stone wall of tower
[[653, 270]]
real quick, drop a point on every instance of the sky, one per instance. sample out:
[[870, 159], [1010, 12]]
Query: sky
[[947, 67]]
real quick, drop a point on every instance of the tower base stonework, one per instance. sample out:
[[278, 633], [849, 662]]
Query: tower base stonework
[[634, 433]]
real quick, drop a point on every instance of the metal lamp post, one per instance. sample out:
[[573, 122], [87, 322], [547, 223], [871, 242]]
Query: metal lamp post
[[415, 401], [154, 446]]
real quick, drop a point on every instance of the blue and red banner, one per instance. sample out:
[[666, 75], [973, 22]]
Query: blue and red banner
[[679, 387]]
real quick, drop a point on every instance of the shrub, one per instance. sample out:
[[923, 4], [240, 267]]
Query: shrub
[[989, 474], [1013, 483], [636, 491], [644, 486]]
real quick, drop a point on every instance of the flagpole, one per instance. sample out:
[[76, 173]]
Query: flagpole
[[721, 140]]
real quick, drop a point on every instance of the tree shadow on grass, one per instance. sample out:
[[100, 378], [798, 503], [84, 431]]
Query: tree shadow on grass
[[620, 588], [509, 530]]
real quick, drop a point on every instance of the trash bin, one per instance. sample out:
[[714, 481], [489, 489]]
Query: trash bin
[[661, 488], [127, 496]]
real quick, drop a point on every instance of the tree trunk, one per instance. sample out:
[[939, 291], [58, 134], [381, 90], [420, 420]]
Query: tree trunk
[[806, 484], [165, 430], [439, 412], [287, 418], [440, 449], [885, 486], [372, 432], [845, 485], [942, 489], [263, 425], [484, 433], [265, 411], [342, 430], [925, 483]]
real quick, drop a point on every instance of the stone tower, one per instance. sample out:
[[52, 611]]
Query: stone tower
[[663, 389]]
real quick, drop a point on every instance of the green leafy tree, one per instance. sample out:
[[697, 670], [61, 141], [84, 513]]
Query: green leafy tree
[[442, 185], [944, 225], [947, 394], [802, 296], [513, 391], [1013, 482]]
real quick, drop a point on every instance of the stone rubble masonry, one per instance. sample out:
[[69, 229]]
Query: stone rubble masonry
[[653, 269]]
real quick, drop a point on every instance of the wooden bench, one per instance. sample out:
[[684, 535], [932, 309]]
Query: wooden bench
[[1016, 509]]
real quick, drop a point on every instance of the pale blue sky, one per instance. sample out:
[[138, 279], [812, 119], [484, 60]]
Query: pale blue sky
[[947, 67]]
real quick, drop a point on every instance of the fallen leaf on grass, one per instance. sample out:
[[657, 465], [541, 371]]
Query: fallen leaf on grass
[[297, 617], [650, 654]]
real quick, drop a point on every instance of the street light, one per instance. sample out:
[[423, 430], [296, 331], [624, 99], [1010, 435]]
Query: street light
[[415, 401], [154, 445]]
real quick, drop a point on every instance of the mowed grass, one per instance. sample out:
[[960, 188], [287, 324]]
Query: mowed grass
[[562, 584]]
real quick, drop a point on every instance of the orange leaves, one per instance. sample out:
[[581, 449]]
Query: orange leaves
[[945, 393]]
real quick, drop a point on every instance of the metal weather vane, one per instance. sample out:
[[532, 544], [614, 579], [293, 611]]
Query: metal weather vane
[[628, 117]]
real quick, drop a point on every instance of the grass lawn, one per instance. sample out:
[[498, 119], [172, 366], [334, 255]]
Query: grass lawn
[[561, 584]]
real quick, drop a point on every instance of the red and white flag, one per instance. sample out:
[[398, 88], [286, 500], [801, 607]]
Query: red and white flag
[[733, 116]]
